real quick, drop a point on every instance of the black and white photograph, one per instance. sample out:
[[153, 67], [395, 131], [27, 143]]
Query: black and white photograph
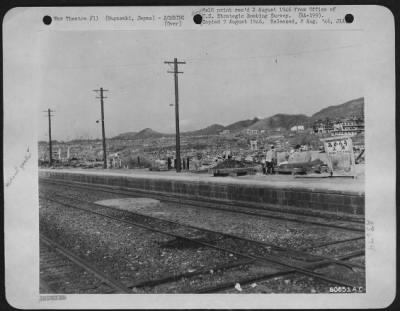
[[223, 159]]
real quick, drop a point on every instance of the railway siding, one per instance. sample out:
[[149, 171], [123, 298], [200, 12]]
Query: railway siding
[[155, 254]]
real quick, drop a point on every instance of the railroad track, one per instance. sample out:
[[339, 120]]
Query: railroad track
[[289, 260], [57, 264], [299, 219], [350, 223], [250, 246]]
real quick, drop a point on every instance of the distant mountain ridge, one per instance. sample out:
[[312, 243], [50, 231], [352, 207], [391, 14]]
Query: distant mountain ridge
[[241, 125], [128, 135], [148, 133], [351, 108], [348, 109], [285, 121], [210, 130]]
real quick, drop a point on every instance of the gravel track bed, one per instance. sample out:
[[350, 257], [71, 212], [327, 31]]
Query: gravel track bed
[[354, 275], [63, 276], [292, 283], [262, 251], [209, 237], [342, 248], [358, 260], [278, 232], [213, 278], [244, 247], [127, 253]]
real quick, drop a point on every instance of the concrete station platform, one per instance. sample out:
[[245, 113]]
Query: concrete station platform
[[332, 195]]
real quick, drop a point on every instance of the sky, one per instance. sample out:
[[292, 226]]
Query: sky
[[229, 75]]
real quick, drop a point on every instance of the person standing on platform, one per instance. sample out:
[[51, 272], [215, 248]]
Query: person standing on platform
[[169, 163], [270, 159], [183, 164], [264, 169], [187, 163]]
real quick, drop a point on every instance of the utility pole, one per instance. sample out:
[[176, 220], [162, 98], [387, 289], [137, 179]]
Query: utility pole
[[101, 90], [49, 115], [178, 143]]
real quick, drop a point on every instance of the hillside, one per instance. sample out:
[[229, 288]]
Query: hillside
[[148, 133], [214, 129], [241, 125], [348, 109], [143, 134], [128, 135], [285, 121]]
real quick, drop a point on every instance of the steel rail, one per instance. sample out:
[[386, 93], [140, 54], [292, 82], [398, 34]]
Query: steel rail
[[177, 277], [225, 235], [332, 243], [119, 287], [268, 259], [229, 285], [245, 281], [352, 255], [127, 192]]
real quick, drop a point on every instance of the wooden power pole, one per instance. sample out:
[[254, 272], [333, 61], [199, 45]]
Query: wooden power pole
[[178, 143], [49, 115], [103, 131]]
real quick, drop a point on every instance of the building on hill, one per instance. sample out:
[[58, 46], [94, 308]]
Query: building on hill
[[297, 128], [341, 127], [251, 132], [323, 126], [225, 132], [348, 127]]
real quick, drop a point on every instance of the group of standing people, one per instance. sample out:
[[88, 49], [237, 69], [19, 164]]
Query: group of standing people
[[184, 163], [270, 161]]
